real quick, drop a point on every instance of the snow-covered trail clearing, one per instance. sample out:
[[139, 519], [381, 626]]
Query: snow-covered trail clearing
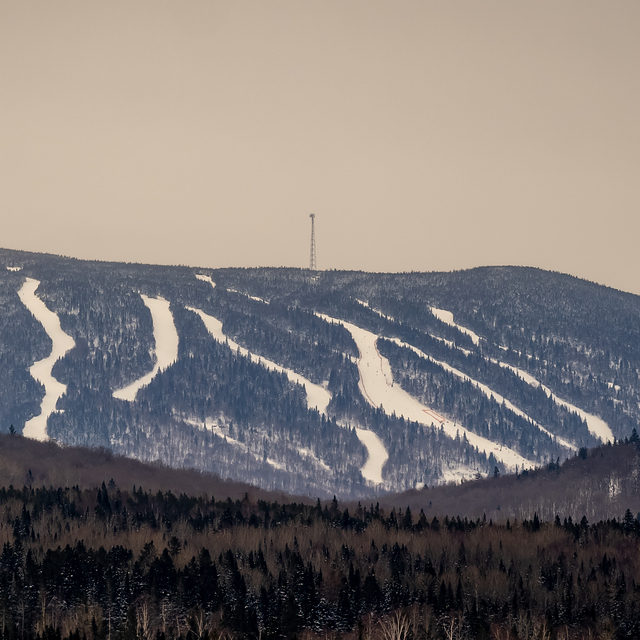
[[166, 337], [376, 385], [36, 428], [317, 397], [488, 392], [597, 426], [377, 456], [14, 268], [246, 295], [204, 278], [447, 318]]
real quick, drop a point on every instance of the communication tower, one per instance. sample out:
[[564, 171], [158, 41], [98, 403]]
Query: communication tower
[[312, 258]]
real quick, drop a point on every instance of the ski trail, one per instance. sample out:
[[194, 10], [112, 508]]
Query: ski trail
[[204, 278], [376, 384], [166, 337], [488, 392], [376, 458], [246, 295], [597, 426], [317, 396], [36, 428], [447, 318]]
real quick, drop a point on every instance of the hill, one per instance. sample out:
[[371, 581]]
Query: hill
[[27, 462], [598, 484], [320, 383]]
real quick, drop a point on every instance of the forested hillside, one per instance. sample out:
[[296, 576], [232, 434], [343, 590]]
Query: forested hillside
[[321, 383], [128, 564]]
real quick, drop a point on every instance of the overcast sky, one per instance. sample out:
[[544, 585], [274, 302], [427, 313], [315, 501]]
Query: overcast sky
[[427, 135]]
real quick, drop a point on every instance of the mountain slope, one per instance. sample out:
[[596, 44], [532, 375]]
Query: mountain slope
[[492, 367]]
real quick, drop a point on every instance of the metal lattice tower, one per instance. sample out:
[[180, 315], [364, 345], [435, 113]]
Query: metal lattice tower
[[312, 257]]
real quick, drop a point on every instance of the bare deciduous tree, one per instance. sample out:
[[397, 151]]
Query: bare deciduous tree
[[396, 627]]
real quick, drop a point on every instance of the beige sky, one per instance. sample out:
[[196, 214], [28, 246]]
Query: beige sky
[[427, 135]]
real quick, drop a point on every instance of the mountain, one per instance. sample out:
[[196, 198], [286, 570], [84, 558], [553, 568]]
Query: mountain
[[317, 383]]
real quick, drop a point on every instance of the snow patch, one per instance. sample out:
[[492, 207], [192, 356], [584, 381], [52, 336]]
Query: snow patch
[[214, 426], [204, 278], [14, 268], [317, 397], [166, 337], [447, 318], [307, 453], [36, 428], [456, 475], [376, 385]]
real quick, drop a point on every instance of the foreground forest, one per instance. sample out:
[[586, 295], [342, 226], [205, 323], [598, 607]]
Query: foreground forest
[[130, 563]]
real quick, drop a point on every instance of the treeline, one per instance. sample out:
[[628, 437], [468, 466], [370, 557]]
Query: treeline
[[110, 563]]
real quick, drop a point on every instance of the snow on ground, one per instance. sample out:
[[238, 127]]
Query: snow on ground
[[597, 426], [14, 268], [377, 311], [166, 337], [248, 296], [307, 453], [376, 385], [41, 371], [447, 318], [204, 278], [216, 430], [486, 390], [449, 343], [458, 474], [372, 469], [317, 397]]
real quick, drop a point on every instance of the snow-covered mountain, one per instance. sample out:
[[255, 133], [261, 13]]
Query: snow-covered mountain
[[322, 383]]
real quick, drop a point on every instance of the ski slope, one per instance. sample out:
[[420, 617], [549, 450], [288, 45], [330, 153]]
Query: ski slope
[[36, 428], [317, 397], [166, 337], [204, 278], [597, 426], [376, 456], [447, 318], [488, 392], [376, 385]]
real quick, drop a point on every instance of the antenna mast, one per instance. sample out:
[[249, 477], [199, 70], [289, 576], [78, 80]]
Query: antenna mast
[[312, 258]]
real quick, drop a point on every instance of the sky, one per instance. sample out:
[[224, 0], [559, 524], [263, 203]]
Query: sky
[[425, 135]]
